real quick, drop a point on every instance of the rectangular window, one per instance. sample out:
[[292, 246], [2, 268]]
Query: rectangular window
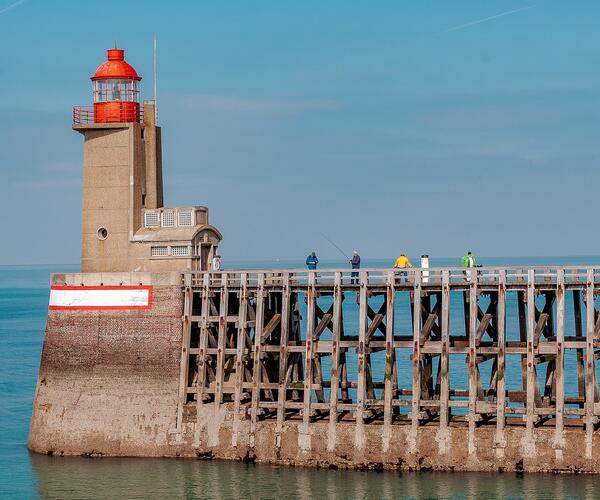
[[159, 251], [184, 218], [168, 219], [151, 219], [179, 251]]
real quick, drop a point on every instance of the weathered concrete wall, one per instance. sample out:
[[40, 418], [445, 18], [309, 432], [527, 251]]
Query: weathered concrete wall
[[108, 380], [431, 449]]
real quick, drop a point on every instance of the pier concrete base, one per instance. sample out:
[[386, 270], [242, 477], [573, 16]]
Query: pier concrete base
[[110, 384]]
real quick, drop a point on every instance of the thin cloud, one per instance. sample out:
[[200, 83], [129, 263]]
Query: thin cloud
[[11, 6], [486, 19]]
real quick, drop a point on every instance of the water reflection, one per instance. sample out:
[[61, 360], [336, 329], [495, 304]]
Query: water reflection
[[87, 478]]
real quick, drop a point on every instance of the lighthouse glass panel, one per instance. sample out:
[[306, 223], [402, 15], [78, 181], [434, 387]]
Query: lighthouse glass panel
[[113, 90]]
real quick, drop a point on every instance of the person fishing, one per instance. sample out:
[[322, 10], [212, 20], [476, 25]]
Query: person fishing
[[468, 261], [312, 261], [355, 262], [402, 262]]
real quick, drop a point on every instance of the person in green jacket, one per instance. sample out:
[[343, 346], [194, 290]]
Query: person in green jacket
[[468, 261]]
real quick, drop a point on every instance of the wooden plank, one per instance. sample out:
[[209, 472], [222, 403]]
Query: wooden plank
[[220, 372], [202, 371], [335, 360], [239, 356], [283, 356], [390, 361], [473, 374], [483, 327], [416, 358], [443, 370], [590, 373], [360, 355], [559, 440], [429, 322], [539, 327], [376, 319], [256, 371], [530, 368], [186, 330], [500, 441], [323, 324], [375, 324], [270, 326], [308, 359]]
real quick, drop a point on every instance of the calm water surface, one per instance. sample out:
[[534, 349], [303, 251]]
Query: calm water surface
[[23, 307]]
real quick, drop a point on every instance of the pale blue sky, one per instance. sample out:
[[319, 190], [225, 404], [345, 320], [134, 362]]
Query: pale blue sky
[[384, 124]]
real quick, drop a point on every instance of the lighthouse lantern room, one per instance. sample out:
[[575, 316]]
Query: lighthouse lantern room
[[116, 90]]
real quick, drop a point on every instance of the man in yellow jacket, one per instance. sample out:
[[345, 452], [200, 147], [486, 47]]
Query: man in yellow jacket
[[402, 262]]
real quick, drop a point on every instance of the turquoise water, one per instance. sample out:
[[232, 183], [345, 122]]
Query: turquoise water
[[23, 306]]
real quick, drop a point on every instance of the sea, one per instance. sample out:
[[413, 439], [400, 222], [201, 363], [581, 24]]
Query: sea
[[24, 294]]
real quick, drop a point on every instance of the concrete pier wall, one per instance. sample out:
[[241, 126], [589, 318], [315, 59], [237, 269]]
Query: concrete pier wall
[[220, 367], [108, 380]]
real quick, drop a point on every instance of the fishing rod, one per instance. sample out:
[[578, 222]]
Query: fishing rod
[[330, 241]]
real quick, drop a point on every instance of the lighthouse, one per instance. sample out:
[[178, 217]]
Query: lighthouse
[[125, 226]]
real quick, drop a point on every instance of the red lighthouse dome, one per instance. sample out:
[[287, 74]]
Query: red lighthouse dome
[[116, 90]]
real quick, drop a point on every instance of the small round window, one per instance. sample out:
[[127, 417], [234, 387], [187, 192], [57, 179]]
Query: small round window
[[102, 233]]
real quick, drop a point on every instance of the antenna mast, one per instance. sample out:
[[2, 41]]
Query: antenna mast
[[155, 85]]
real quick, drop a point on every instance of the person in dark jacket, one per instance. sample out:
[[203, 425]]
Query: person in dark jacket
[[312, 261], [355, 261]]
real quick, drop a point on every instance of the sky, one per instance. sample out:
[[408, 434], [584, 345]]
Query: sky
[[389, 126]]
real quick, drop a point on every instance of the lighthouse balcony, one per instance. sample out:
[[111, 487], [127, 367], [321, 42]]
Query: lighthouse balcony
[[85, 115]]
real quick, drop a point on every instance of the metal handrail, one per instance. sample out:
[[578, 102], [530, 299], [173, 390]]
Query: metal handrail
[[84, 115]]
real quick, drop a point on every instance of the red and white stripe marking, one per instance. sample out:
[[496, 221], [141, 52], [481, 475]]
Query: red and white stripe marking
[[100, 297]]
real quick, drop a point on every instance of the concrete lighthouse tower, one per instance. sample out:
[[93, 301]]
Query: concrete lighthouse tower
[[125, 226]]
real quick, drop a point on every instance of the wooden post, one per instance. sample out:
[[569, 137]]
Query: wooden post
[[444, 382], [578, 335], [472, 333], [256, 369], [359, 440], [389, 361], [185, 345], [500, 442], [531, 376], [219, 374], [416, 358], [590, 375], [285, 327], [335, 360], [304, 435], [202, 353], [239, 356], [559, 440]]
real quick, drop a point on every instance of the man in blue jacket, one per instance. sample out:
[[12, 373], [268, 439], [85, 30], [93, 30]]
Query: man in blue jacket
[[355, 261], [312, 261]]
